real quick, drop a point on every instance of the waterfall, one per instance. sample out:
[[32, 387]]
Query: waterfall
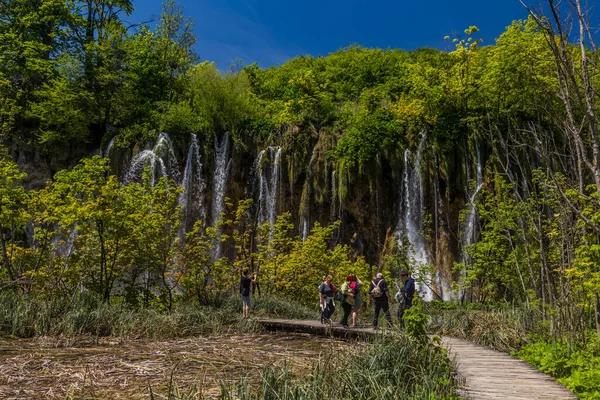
[[222, 165], [411, 226], [109, 147], [221, 172], [192, 198], [304, 225], [444, 283], [332, 209], [269, 177], [160, 159], [468, 237]]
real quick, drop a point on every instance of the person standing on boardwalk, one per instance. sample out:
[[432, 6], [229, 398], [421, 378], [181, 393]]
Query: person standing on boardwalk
[[356, 285], [348, 300], [245, 283], [379, 290], [407, 293], [326, 291]]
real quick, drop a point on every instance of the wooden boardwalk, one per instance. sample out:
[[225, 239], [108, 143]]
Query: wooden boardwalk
[[489, 374]]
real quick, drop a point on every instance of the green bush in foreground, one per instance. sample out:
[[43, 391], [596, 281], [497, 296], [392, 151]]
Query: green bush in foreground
[[578, 369]]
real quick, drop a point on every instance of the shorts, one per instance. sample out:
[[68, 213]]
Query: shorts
[[246, 300]]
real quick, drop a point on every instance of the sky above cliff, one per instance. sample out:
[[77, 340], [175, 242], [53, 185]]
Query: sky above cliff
[[270, 32]]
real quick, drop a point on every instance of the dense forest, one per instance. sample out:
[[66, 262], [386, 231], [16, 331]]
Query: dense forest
[[136, 171]]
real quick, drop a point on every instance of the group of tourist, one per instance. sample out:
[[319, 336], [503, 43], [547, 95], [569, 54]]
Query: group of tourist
[[349, 295]]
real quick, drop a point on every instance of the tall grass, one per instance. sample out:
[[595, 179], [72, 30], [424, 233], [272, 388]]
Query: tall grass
[[394, 367], [24, 316], [502, 328]]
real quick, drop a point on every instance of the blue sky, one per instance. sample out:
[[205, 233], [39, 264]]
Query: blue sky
[[272, 31]]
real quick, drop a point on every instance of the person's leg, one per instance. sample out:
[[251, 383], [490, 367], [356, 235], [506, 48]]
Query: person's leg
[[246, 301], [386, 309], [354, 316], [330, 310], [400, 316], [347, 310], [376, 316]]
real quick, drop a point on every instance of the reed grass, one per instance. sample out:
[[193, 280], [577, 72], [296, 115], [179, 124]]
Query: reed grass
[[28, 316], [394, 367], [503, 328]]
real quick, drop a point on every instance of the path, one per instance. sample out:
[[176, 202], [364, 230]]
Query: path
[[489, 374]]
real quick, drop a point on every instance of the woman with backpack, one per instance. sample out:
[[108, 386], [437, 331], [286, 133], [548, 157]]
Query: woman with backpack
[[326, 291], [348, 302]]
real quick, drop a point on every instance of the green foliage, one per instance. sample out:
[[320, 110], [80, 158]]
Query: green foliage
[[415, 322], [13, 216], [289, 265], [578, 369], [223, 103]]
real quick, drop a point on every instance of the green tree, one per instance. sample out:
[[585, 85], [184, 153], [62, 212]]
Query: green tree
[[13, 217]]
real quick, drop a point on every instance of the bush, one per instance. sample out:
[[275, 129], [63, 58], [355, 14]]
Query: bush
[[578, 369]]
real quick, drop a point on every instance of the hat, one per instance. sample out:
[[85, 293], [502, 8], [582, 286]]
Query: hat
[[349, 278]]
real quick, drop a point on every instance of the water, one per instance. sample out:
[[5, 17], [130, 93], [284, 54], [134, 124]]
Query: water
[[192, 198], [221, 172], [160, 160], [468, 237], [332, 208], [109, 147], [269, 178], [304, 225], [411, 224]]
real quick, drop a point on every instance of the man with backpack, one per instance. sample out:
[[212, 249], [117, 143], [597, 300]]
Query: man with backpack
[[379, 290]]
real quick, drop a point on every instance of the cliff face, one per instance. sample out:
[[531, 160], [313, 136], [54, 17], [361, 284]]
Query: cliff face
[[410, 199]]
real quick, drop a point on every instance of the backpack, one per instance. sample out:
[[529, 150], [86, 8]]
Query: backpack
[[339, 296], [376, 292]]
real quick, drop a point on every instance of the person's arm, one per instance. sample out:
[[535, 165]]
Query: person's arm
[[384, 288], [321, 298]]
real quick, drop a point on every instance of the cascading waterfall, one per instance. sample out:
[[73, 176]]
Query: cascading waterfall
[[411, 224], [221, 172], [269, 177], [304, 225], [444, 283], [161, 161], [192, 198], [471, 220], [333, 209], [109, 147]]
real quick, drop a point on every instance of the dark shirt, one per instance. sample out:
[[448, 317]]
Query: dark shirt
[[408, 290], [245, 285], [326, 289], [384, 289]]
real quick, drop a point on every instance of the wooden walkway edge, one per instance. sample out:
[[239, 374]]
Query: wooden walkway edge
[[488, 374]]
